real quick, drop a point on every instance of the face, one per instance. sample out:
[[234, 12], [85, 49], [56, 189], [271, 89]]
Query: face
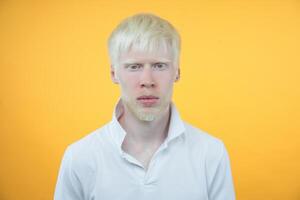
[[146, 81]]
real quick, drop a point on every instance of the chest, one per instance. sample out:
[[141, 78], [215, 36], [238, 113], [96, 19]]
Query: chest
[[141, 153], [169, 176], [143, 157]]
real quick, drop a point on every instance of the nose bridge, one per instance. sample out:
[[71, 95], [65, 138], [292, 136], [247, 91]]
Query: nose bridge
[[146, 78], [147, 72]]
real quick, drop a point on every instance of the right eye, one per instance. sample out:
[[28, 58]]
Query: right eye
[[133, 67]]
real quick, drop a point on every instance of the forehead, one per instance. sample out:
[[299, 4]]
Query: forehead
[[137, 55]]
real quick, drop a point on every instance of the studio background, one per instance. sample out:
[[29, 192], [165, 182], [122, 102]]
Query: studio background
[[239, 82]]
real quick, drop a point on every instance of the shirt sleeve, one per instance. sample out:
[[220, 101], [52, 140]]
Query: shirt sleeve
[[68, 186], [222, 187]]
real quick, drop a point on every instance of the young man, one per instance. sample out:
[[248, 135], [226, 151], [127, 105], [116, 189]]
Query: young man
[[146, 152]]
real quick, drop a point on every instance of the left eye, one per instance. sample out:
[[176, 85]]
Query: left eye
[[160, 66]]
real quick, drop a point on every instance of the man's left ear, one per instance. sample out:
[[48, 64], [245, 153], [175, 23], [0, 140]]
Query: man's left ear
[[177, 75]]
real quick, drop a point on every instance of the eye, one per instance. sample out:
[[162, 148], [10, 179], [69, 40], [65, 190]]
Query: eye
[[133, 67], [160, 66]]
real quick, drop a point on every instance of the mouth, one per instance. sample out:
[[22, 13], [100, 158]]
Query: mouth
[[148, 100]]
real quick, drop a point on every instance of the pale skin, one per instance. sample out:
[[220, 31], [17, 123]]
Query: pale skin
[[140, 73]]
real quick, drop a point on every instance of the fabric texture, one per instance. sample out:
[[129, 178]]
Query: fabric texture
[[189, 165]]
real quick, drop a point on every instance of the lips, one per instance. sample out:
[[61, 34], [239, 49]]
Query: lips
[[148, 100], [147, 97]]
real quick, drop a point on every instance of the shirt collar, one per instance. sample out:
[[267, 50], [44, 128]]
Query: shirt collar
[[176, 125]]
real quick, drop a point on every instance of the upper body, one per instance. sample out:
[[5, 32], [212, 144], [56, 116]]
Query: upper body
[[189, 164], [146, 152]]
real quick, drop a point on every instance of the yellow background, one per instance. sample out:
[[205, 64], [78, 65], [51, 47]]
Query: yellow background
[[240, 82]]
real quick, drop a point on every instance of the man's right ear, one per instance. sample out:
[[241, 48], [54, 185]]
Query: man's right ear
[[113, 75]]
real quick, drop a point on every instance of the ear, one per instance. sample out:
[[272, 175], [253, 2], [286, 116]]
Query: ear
[[113, 75], [177, 75]]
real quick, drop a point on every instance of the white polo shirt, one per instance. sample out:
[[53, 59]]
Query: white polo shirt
[[189, 165]]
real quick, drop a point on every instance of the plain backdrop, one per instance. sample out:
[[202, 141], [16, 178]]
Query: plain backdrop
[[239, 82]]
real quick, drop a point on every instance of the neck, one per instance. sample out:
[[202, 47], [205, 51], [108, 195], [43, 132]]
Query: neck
[[145, 132]]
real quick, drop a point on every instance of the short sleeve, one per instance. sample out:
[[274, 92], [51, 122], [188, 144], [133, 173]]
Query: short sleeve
[[222, 187], [68, 186]]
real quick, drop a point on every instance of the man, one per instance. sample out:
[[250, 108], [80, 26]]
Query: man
[[146, 152]]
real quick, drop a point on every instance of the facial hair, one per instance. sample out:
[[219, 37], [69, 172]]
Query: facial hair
[[140, 112]]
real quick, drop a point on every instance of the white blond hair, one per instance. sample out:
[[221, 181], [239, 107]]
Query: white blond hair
[[145, 32]]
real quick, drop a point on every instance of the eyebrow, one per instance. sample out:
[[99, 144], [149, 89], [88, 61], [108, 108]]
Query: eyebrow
[[134, 61]]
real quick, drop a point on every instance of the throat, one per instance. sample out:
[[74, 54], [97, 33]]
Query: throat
[[140, 151]]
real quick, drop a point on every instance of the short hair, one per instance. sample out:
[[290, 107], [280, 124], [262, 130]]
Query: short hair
[[145, 32]]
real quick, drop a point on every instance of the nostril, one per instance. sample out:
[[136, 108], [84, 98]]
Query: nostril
[[148, 84]]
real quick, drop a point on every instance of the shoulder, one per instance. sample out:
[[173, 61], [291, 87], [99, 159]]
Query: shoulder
[[80, 165], [87, 143], [201, 137], [84, 154], [211, 147]]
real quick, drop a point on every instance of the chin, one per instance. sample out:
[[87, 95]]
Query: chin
[[146, 117], [148, 114]]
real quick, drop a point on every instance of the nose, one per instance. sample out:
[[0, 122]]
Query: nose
[[146, 79]]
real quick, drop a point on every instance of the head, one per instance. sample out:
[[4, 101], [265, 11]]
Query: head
[[144, 52]]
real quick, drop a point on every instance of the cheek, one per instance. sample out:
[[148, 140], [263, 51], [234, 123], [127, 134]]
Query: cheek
[[167, 86], [127, 85], [167, 76]]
